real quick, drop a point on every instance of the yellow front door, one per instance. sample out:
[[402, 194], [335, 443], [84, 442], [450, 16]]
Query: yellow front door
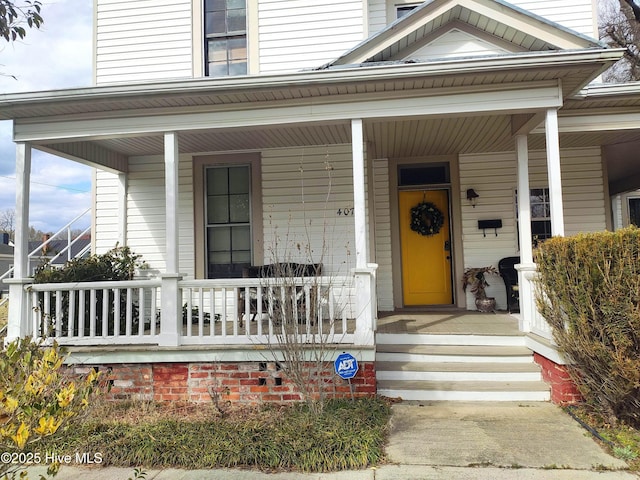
[[426, 259]]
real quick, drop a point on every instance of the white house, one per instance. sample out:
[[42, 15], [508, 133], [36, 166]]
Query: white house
[[231, 133]]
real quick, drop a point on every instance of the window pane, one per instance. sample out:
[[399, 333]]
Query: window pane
[[219, 239], [215, 23], [239, 68], [243, 257], [217, 181], [236, 4], [241, 238], [237, 48], [218, 70], [237, 20], [210, 5], [217, 51], [239, 208], [217, 209], [239, 179]]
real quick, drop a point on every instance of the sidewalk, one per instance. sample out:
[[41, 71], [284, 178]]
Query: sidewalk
[[444, 441]]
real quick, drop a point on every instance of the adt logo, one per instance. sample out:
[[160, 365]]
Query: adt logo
[[346, 365]]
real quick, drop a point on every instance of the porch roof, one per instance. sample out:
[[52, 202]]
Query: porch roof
[[253, 103]]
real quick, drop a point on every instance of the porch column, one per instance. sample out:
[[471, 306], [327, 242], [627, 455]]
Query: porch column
[[122, 208], [525, 293], [553, 171], [19, 325], [171, 312], [365, 291]]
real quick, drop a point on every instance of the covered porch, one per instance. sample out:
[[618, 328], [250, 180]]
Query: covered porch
[[325, 149]]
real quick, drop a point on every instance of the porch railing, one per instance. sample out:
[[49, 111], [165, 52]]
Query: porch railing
[[533, 321], [212, 312]]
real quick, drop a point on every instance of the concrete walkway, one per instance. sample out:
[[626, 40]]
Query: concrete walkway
[[445, 441]]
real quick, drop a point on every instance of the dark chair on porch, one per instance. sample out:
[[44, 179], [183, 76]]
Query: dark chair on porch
[[506, 267], [274, 270]]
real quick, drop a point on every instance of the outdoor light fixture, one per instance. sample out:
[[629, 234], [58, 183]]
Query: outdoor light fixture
[[471, 196]]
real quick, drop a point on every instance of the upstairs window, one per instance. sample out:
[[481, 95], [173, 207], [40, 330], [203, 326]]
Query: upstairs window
[[225, 29], [402, 10]]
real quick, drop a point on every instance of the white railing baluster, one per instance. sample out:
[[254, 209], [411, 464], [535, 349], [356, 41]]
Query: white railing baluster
[[142, 308], [152, 313], [235, 317], [72, 311], [201, 313], [116, 312], [212, 302], [58, 316], [92, 313], [189, 312], [105, 312], [224, 311]]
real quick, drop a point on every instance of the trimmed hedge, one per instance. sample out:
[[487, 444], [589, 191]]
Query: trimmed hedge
[[589, 292]]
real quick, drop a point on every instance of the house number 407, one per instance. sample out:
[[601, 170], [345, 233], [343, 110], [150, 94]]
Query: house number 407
[[345, 211]]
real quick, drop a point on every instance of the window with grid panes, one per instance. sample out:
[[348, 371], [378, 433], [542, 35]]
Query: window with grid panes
[[228, 220], [225, 29]]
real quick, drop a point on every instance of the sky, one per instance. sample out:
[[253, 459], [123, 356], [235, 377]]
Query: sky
[[58, 55]]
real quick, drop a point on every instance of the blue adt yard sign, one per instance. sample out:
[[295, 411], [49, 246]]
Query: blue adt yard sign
[[346, 365]]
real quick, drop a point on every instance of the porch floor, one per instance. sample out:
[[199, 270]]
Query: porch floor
[[458, 322]]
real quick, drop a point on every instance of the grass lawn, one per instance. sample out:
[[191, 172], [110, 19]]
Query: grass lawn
[[347, 435], [620, 440]]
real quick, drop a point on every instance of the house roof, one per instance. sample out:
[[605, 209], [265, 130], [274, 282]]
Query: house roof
[[56, 246], [495, 21]]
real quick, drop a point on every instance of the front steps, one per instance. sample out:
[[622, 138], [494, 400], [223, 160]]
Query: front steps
[[457, 367]]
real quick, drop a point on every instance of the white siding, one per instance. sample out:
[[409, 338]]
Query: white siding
[[303, 190], [143, 40], [146, 212], [577, 15], [106, 211], [455, 44], [382, 231], [298, 34], [493, 176]]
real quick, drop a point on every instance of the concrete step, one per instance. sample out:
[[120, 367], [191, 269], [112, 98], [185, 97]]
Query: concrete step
[[465, 390], [448, 339], [453, 353], [463, 371]]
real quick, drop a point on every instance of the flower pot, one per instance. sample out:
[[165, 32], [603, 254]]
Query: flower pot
[[487, 304]]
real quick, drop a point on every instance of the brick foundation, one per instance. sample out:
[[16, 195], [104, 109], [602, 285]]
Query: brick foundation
[[563, 390], [238, 382]]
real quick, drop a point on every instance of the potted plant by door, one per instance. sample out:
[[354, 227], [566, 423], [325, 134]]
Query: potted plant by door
[[474, 279]]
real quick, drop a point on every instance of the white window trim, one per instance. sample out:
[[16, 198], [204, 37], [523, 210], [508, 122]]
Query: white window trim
[[197, 38]]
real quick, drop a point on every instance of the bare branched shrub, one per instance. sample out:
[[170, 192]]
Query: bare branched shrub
[[589, 292], [306, 316]]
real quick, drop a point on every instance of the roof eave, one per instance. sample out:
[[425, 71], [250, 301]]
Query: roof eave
[[358, 73]]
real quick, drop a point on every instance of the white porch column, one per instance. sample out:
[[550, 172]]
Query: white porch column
[[171, 313], [123, 183], [365, 290], [19, 325], [553, 171], [525, 293]]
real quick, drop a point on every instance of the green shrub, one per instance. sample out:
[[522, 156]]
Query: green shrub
[[116, 264], [589, 292], [37, 400]]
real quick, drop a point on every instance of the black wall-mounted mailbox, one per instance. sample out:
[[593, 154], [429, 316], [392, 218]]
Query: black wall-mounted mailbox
[[484, 224]]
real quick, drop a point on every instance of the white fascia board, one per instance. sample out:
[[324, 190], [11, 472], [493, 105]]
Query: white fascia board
[[500, 99], [345, 75], [608, 90], [595, 123]]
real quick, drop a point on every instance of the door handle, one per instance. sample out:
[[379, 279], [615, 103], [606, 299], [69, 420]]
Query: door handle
[[447, 245]]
